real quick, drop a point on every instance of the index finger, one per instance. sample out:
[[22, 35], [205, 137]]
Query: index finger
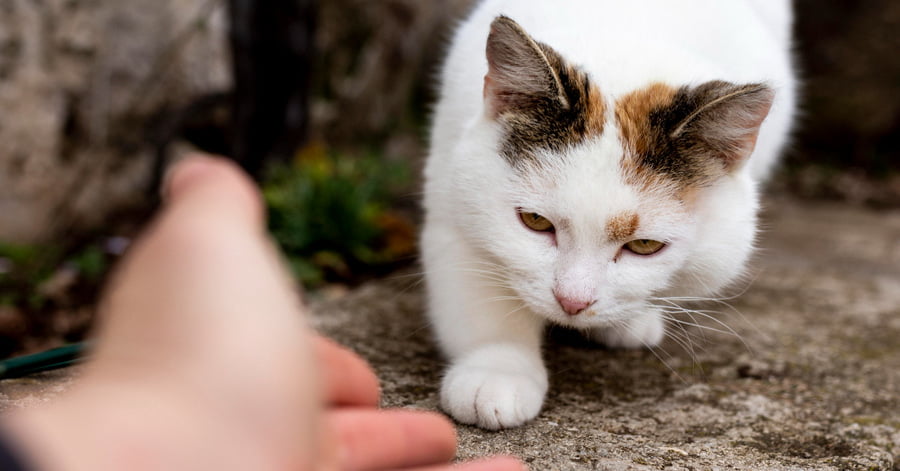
[[370, 440], [348, 379], [200, 179]]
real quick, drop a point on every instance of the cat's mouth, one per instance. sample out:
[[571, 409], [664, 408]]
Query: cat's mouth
[[592, 316], [600, 313]]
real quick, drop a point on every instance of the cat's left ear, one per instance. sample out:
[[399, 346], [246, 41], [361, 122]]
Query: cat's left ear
[[723, 120], [523, 75]]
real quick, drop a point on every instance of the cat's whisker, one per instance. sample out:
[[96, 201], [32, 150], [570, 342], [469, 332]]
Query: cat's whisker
[[480, 272], [683, 339], [728, 330], [671, 311], [653, 349], [487, 274], [417, 280], [694, 322], [417, 331], [691, 348], [685, 335], [501, 298], [668, 312], [517, 309], [723, 300], [682, 323]]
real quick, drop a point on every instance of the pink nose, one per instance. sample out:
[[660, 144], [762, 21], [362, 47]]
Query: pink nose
[[572, 306]]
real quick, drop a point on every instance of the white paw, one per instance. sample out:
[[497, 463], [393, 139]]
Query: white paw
[[496, 396], [641, 332]]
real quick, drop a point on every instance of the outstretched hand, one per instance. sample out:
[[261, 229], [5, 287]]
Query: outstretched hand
[[204, 361]]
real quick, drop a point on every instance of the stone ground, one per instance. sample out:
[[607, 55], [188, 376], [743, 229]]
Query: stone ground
[[801, 371]]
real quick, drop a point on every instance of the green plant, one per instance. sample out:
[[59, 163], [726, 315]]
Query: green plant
[[91, 262], [330, 213], [25, 268]]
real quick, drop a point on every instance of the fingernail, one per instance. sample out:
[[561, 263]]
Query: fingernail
[[179, 175]]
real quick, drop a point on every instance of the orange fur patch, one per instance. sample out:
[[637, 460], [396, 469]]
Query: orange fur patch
[[622, 226], [595, 114], [633, 114]]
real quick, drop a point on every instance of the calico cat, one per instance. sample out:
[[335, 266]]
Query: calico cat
[[589, 157]]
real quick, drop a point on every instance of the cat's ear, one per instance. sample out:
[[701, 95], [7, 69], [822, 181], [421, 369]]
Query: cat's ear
[[723, 120], [522, 73]]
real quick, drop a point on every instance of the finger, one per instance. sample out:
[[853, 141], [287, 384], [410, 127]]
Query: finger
[[203, 289], [373, 440], [500, 463], [348, 379], [210, 187], [205, 265]]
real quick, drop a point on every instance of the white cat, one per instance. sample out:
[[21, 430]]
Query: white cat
[[586, 157]]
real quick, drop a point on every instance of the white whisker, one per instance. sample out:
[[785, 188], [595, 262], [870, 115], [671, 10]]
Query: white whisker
[[652, 349]]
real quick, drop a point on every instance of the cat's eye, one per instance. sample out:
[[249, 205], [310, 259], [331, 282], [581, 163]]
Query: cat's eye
[[645, 246], [536, 222]]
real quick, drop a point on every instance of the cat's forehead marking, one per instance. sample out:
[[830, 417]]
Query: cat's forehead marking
[[654, 156], [633, 113], [622, 226]]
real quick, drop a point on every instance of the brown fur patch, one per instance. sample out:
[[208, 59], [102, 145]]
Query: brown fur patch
[[633, 115], [622, 226], [689, 136], [595, 113], [541, 101]]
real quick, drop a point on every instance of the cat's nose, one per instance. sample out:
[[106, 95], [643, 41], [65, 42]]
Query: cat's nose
[[572, 305]]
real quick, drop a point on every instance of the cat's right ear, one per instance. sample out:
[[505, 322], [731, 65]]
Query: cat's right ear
[[522, 73]]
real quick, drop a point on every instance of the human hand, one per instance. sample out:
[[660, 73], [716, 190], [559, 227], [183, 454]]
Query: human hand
[[203, 360], [369, 439]]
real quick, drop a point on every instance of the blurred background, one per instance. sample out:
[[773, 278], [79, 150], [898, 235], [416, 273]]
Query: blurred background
[[326, 103]]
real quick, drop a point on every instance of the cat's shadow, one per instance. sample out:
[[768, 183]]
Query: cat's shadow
[[557, 336], [586, 373]]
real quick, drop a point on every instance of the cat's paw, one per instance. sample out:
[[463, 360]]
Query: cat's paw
[[641, 332], [494, 397]]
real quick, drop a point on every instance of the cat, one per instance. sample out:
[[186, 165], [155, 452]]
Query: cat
[[588, 157]]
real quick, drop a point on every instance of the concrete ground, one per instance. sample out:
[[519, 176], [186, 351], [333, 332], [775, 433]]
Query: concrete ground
[[808, 379]]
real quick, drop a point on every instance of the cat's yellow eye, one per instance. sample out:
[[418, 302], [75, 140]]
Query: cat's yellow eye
[[645, 246], [536, 222]]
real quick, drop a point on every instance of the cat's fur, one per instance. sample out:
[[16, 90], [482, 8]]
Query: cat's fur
[[616, 121]]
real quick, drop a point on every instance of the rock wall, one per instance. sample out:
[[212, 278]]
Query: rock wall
[[80, 83]]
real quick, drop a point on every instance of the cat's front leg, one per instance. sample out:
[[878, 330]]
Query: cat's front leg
[[641, 331], [495, 386], [496, 378]]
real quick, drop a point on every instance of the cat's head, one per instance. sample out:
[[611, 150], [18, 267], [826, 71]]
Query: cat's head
[[601, 203]]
